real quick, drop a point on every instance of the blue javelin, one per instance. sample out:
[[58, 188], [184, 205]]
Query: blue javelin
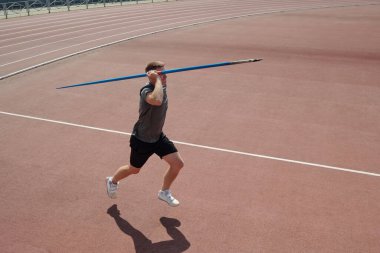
[[164, 72]]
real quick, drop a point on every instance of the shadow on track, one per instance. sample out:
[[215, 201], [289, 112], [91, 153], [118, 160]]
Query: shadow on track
[[143, 244]]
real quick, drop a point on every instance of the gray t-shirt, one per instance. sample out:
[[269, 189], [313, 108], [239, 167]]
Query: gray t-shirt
[[151, 120]]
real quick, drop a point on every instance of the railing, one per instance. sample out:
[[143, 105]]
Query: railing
[[33, 7]]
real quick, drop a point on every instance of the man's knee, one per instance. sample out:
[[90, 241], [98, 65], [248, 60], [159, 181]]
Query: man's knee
[[177, 165], [174, 160], [180, 164]]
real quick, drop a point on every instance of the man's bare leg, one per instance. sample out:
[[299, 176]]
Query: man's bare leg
[[175, 165], [123, 172]]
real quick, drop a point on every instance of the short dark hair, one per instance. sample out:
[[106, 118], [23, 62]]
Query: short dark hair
[[154, 65]]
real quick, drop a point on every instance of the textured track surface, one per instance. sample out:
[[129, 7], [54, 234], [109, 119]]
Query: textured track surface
[[314, 99]]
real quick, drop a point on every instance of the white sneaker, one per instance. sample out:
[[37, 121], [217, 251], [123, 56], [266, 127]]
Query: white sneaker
[[111, 188], [168, 198]]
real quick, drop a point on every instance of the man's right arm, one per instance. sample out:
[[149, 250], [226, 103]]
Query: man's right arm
[[155, 97]]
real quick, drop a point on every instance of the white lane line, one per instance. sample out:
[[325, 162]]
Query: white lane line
[[200, 146], [141, 35], [114, 42], [159, 31], [99, 12], [97, 21], [99, 29], [213, 19]]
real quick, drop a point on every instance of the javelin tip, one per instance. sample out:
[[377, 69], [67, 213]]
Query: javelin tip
[[247, 60]]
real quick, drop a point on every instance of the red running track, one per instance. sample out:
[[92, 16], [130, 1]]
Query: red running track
[[313, 102]]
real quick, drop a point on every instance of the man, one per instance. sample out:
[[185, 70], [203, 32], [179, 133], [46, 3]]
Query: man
[[147, 136]]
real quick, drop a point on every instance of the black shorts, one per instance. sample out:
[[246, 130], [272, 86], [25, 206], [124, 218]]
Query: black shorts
[[141, 151]]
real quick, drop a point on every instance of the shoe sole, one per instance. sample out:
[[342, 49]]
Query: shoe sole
[[168, 202]]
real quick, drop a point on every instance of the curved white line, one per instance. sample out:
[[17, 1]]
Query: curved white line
[[169, 29], [97, 27]]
